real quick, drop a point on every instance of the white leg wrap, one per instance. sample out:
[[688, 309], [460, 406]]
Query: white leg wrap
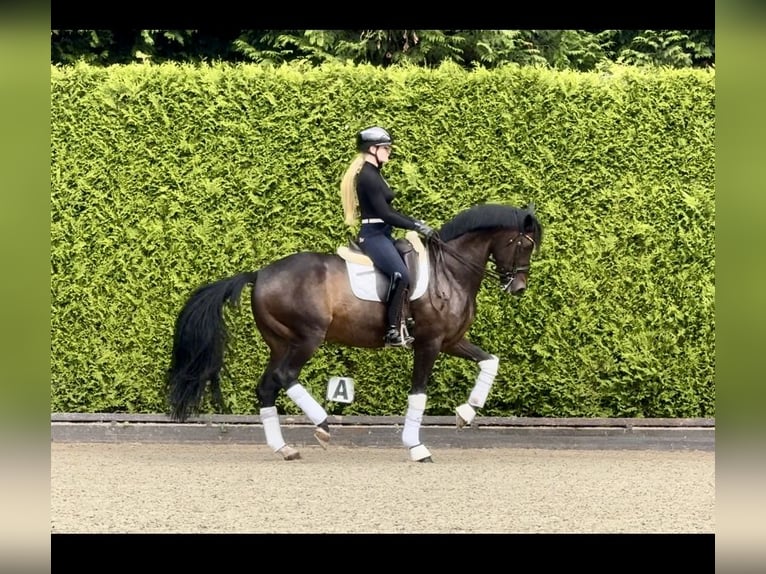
[[307, 403], [484, 382], [413, 418], [270, 421]]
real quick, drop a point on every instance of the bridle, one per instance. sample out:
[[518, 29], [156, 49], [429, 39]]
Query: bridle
[[505, 276]]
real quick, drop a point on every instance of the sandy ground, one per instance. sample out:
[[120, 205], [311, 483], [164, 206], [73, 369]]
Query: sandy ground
[[234, 488]]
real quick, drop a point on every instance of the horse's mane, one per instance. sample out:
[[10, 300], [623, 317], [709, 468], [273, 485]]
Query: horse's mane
[[488, 216]]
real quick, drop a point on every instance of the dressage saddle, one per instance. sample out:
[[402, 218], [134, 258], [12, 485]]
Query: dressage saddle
[[353, 253]]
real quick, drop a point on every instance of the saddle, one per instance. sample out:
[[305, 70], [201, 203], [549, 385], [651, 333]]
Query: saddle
[[370, 284]]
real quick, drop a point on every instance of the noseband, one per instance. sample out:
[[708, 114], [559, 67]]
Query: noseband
[[507, 276]]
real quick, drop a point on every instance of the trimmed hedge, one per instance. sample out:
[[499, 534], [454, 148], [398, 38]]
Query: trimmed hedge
[[165, 177]]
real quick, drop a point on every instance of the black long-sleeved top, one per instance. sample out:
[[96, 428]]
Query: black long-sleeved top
[[375, 197]]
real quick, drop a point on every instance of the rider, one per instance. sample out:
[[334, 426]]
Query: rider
[[365, 193]]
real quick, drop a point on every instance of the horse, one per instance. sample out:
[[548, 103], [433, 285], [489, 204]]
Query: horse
[[305, 299]]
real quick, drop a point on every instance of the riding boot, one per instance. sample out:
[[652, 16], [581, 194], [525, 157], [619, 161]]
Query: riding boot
[[396, 335]]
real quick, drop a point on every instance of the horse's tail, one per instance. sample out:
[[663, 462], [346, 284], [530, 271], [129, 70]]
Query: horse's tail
[[199, 343]]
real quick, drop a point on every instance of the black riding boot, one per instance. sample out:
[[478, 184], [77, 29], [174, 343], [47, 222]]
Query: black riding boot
[[396, 335]]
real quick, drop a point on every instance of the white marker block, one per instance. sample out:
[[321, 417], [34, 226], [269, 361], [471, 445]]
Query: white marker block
[[340, 390]]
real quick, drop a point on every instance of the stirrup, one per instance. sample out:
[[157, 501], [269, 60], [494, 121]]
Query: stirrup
[[398, 338]]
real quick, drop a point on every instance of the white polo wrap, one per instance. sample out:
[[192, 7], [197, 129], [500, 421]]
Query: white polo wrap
[[413, 418], [484, 381], [307, 403], [270, 421]]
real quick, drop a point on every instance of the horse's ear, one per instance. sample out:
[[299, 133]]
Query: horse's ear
[[531, 225]]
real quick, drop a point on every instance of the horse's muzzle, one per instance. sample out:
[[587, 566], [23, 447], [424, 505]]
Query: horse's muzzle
[[516, 286]]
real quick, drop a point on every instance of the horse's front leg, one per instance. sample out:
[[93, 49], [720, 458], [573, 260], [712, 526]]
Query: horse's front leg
[[488, 364], [425, 357]]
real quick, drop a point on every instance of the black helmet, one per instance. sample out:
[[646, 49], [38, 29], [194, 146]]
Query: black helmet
[[372, 136]]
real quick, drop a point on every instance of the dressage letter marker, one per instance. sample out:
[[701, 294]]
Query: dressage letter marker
[[340, 390]]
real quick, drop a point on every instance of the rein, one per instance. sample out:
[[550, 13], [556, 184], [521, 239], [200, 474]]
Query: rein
[[505, 276], [439, 247]]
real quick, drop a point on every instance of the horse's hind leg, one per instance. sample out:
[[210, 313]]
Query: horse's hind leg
[[312, 409], [287, 376], [267, 391], [488, 363]]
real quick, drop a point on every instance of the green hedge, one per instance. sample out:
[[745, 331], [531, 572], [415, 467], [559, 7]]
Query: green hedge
[[170, 176]]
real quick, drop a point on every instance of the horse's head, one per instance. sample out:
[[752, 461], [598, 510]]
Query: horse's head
[[513, 234], [512, 254]]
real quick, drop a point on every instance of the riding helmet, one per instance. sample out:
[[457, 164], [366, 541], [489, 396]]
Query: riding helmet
[[372, 136]]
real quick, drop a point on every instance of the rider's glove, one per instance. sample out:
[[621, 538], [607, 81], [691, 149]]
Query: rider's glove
[[424, 229]]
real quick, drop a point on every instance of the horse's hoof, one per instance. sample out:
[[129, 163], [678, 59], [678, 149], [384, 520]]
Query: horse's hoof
[[289, 453], [420, 453], [322, 436], [464, 415]]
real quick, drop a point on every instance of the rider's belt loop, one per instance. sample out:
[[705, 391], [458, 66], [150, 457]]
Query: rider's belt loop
[[373, 220]]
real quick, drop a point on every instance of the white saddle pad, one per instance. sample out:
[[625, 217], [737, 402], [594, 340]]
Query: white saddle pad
[[363, 277]]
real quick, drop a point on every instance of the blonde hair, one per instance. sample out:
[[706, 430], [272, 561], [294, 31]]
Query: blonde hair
[[348, 190]]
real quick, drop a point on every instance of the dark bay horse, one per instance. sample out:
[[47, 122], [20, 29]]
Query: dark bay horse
[[305, 299]]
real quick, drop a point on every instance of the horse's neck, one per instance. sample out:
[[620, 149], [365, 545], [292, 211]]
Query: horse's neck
[[467, 256]]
